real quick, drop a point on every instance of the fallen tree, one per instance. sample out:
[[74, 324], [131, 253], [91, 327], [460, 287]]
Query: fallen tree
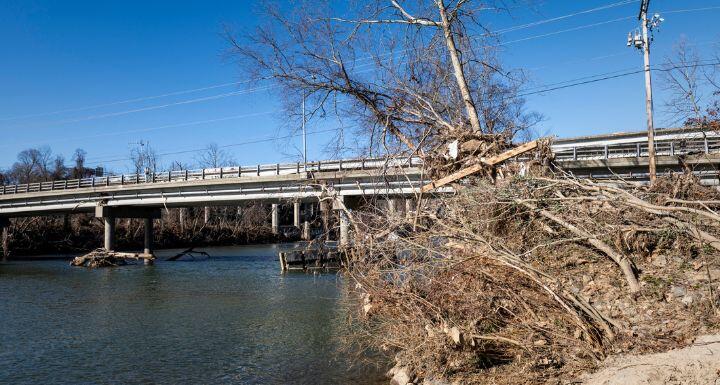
[[537, 278]]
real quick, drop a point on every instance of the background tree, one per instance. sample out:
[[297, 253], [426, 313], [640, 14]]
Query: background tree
[[213, 157], [79, 170], [144, 158], [692, 88]]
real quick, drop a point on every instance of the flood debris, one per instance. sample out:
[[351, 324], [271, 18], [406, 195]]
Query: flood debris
[[103, 258], [528, 275], [190, 252]]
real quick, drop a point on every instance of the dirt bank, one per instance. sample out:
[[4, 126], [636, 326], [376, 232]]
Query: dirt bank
[[697, 364]]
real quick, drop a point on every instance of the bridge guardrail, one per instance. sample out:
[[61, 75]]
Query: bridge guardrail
[[639, 149], [211, 173]]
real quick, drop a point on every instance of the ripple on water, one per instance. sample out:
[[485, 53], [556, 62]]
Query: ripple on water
[[232, 318]]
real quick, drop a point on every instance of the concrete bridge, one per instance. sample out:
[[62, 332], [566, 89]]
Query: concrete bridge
[[339, 182]]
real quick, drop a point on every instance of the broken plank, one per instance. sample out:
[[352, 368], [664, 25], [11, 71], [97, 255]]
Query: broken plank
[[475, 168]]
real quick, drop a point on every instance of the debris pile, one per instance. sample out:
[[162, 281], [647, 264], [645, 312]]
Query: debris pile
[[538, 278], [103, 258]]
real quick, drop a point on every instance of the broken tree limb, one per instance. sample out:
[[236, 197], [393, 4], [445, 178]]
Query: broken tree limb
[[492, 161], [622, 261]]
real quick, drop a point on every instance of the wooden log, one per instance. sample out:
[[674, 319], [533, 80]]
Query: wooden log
[[485, 162]]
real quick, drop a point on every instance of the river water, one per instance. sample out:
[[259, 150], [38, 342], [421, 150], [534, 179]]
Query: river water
[[229, 319]]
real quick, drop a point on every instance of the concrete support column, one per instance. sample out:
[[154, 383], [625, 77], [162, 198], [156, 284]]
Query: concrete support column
[[391, 205], [344, 229], [149, 260], [325, 211], [148, 236], [306, 231], [275, 214], [5, 243], [296, 214], [207, 214], [408, 207], [109, 233]]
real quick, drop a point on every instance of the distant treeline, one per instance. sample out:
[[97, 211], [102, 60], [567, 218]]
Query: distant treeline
[[40, 165]]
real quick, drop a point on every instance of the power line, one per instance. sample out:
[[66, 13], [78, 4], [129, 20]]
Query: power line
[[267, 139], [221, 85], [541, 22], [126, 101], [193, 123], [613, 77]]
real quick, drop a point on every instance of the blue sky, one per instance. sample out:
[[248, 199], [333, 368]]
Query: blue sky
[[70, 55]]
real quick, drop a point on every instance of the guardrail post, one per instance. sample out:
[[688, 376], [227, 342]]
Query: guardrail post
[[93, 182], [239, 171], [319, 166], [152, 177], [186, 175], [362, 163], [574, 153], [203, 174], [672, 148], [707, 146], [606, 151], [277, 168], [107, 180], [221, 172], [258, 170], [637, 149], [297, 168], [137, 178], [340, 165]]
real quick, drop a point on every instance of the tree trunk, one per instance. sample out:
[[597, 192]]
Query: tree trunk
[[458, 68]]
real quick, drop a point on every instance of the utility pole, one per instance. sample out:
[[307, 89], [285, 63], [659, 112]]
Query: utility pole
[[304, 133], [641, 40]]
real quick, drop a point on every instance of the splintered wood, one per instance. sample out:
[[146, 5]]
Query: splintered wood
[[485, 162]]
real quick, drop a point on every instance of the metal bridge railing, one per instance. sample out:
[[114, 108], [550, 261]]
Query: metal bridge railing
[[689, 146], [211, 173]]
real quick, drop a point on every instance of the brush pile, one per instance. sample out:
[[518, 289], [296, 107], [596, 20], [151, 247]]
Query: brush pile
[[536, 279]]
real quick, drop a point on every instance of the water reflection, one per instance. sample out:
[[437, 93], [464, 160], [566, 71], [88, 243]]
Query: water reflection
[[232, 318]]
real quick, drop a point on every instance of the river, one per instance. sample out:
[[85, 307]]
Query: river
[[229, 319]]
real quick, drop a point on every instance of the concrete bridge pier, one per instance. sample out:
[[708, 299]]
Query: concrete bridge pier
[[296, 214], [275, 215], [148, 241], [339, 205], [109, 214], [109, 238], [4, 225]]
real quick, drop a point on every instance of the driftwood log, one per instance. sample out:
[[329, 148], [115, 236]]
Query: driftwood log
[[103, 258]]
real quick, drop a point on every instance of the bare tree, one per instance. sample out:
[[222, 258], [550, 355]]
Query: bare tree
[[32, 165], [213, 157], [59, 170], [144, 158], [692, 88], [409, 76], [79, 157]]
